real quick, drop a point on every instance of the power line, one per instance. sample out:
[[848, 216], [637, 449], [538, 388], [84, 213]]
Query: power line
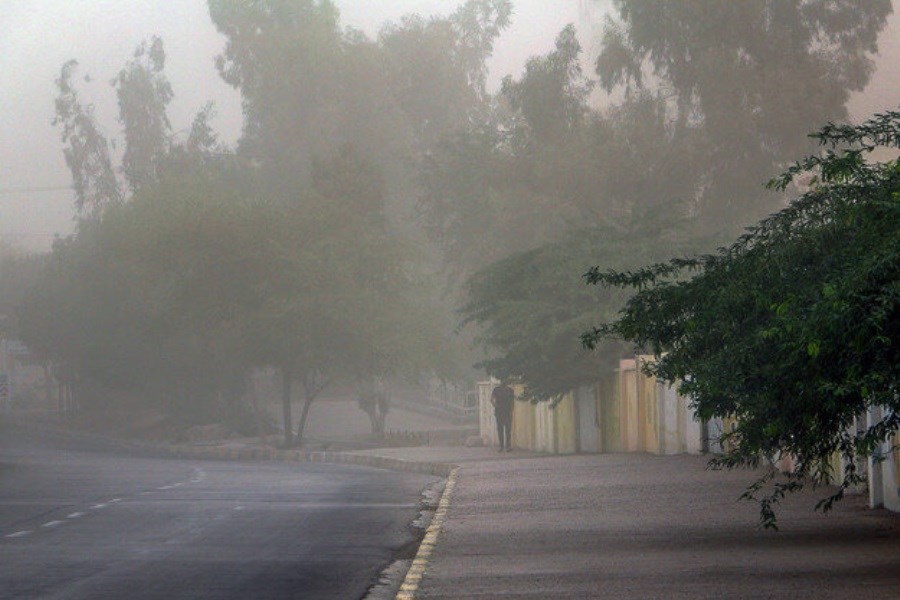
[[34, 190]]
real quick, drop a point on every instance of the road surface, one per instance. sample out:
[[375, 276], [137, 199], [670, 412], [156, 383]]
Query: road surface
[[89, 524]]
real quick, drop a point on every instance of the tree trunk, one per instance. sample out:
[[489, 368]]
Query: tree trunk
[[48, 387], [258, 419], [303, 415], [286, 407], [371, 411]]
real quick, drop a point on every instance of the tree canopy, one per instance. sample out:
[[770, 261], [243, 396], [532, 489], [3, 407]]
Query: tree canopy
[[675, 164], [794, 329], [752, 77], [530, 311], [207, 269]]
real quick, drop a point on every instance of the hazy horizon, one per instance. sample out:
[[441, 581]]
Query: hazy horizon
[[38, 36]]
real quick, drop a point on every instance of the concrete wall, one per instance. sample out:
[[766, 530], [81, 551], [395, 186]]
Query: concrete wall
[[625, 411], [884, 468]]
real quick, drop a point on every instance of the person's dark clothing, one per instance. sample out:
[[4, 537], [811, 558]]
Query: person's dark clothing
[[503, 398]]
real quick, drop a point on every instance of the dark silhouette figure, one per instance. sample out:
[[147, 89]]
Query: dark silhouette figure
[[502, 398]]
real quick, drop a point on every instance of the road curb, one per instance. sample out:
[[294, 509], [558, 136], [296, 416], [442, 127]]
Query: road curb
[[247, 453], [419, 565], [273, 454]]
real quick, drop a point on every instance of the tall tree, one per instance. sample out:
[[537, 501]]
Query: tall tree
[[144, 93], [552, 94], [754, 77], [86, 149]]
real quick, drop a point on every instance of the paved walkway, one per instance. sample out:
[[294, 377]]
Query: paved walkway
[[639, 526]]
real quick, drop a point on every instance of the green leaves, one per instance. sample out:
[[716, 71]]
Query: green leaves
[[794, 329], [812, 349]]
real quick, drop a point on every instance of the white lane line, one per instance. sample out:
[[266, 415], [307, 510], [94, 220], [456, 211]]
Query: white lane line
[[238, 508], [18, 534], [51, 524], [99, 506], [114, 500], [175, 485], [165, 487], [75, 515]]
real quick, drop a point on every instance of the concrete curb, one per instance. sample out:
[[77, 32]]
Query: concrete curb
[[344, 458], [246, 453], [419, 565]]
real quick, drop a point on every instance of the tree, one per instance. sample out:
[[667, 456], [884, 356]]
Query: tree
[[309, 88], [754, 77], [86, 148], [145, 300], [794, 329], [530, 310], [144, 93], [436, 67], [340, 301], [552, 94], [543, 163]]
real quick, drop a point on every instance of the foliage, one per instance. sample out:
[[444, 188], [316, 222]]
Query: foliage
[[792, 329], [552, 93], [18, 272], [752, 77], [309, 88], [714, 96], [144, 92], [141, 300], [531, 311], [86, 148]]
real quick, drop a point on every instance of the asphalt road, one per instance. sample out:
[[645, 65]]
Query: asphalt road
[[88, 524]]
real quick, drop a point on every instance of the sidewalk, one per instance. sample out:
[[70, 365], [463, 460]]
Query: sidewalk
[[640, 526]]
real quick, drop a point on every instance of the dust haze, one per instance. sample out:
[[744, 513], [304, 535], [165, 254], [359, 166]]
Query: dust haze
[[322, 223]]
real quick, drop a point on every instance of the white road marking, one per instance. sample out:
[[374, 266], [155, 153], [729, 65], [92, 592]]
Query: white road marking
[[165, 487], [115, 500], [199, 475], [145, 493], [175, 485], [51, 524], [75, 515], [99, 506], [18, 534], [238, 508]]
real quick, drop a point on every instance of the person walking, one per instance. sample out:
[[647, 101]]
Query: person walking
[[503, 398]]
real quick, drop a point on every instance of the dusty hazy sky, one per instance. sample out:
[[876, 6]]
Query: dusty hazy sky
[[38, 36]]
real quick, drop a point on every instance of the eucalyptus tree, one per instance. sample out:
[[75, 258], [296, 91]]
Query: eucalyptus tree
[[86, 149], [144, 92], [753, 77]]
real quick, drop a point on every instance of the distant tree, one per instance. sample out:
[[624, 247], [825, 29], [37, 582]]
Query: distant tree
[[437, 67], [478, 24], [86, 149], [341, 304], [308, 87], [753, 77], [497, 188], [18, 273], [552, 94], [794, 329], [145, 300], [530, 310], [144, 93]]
